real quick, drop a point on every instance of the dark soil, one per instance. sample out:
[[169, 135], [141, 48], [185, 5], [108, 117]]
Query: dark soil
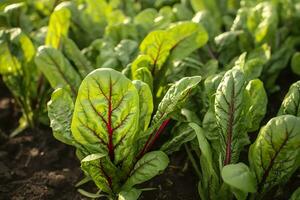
[[37, 167]]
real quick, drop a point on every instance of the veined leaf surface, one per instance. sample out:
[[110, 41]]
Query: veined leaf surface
[[291, 101], [228, 110], [106, 113], [57, 69], [274, 156]]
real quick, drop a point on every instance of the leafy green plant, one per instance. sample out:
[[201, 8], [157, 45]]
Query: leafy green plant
[[236, 109], [109, 125], [161, 48], [22, 77]]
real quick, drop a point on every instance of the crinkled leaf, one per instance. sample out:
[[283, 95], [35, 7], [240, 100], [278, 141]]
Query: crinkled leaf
[[262, 21], [173, 100], [57, 69], [274, 156], [229, 104], [180, 135], [60, 112], [175, 97], [150, 165], [93, 166], [291, 102], [106, 114]]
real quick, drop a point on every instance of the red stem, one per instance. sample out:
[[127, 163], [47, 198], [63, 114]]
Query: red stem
[[109, 127], [150, 142]]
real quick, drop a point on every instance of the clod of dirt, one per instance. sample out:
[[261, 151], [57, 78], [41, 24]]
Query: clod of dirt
[[56, 179]]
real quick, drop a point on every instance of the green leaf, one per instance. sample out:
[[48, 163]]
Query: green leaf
[[20, 74], [126, 51], [17, 17], [278, 61], [144, 75], [206, 19], [89, 194], [256, 98], [274, 156], [9, 64], [209, 183], [229, 45], [210, 6], [60, 112], [57, 69], [146, 18], [296, 195], [17, 36], [146, 104], [291, 102], [93, 157], [188, 37], [182, 12], [175, 97], [229, 104], [180, 135], [239, 176], [255, 61], [132, 194], [150, 165], [295, 63], [74, 54], [157, 45], [178, 41], [106, 114], [93, 166], [262, 22], [58, 26]]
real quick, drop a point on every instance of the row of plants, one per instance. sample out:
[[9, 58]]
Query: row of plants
[[110, 76]]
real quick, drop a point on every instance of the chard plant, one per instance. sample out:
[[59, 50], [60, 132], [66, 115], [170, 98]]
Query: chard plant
[[113, 127], [236, 109], [22, 77], [159, 51]]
